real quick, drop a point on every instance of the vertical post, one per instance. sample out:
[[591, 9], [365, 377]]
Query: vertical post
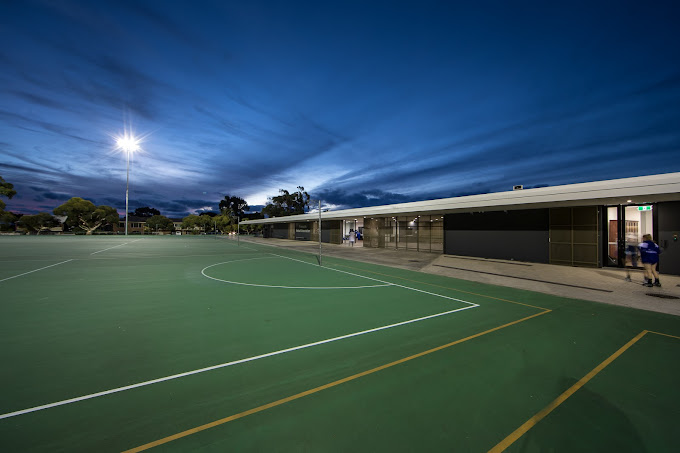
[[238, 230], [215, 229], [127, 188], [319, 232]]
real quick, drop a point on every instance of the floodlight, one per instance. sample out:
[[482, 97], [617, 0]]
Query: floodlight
[[128, 143]]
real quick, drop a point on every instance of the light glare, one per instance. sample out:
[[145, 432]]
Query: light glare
[[128, 143]]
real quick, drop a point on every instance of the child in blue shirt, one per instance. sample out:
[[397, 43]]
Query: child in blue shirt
[[649, 255]]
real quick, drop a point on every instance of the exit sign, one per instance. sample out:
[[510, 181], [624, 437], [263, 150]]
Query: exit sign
[[644, 208]]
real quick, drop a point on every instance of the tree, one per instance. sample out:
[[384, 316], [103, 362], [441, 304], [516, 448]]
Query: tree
[[39, 222], [250, 229], [233, 206], [198, 222], [224, 222], [146, 212], [8, 220], [159, 222], [205, 222], [6, 190], [84, 215], [189, 222], [287, 203]]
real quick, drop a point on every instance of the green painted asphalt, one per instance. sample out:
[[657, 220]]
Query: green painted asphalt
[[82, 315]]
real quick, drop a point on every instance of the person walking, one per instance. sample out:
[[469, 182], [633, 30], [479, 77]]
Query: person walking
[[632, 253], [649, 255], [352, 237]]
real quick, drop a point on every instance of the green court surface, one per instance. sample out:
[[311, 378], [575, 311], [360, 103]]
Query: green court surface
[[209, 344]]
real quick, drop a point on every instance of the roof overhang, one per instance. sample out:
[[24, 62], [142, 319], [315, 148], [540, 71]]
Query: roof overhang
[[637, 190]]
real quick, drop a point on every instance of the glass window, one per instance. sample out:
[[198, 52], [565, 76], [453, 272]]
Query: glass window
[[437, 233]]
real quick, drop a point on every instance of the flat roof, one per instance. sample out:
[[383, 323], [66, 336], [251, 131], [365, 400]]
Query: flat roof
[[639, 190]]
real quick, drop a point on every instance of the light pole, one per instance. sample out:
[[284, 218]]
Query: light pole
[[319, 201], [129, 144]]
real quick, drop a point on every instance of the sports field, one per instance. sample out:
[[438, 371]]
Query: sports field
[[205, 344]]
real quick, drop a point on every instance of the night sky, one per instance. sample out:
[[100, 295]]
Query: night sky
[[362, 103]]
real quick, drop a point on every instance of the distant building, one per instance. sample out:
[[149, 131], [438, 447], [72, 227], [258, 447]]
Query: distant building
[[136, 225]]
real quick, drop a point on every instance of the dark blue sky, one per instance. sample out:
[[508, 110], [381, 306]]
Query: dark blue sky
[[362, 103]]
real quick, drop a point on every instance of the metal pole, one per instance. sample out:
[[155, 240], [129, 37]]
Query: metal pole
[[127, 188], [238, 230], [319, 232]]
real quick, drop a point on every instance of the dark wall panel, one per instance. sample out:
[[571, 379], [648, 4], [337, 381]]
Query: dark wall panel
[[529, 246], [668, 227], [513, 235], [331, 231], [280, 231]]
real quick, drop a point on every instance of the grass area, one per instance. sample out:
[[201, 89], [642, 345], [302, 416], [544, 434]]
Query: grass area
[[128, 341]]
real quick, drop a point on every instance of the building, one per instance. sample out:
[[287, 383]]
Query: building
[[136, 225], [582, 224]]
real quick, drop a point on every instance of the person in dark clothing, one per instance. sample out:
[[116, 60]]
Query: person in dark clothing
[[649, 255]]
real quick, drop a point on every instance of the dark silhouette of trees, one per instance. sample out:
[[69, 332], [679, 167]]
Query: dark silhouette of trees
[[146, 212], [233, 206], [287, 203], [84, 215], [6, 190]]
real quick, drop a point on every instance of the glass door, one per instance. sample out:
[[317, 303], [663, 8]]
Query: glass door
[[625, 227], [613, 255], [638, 221]]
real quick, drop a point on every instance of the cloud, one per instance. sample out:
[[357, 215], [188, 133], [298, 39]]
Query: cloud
[[54, 196], [344, 199]]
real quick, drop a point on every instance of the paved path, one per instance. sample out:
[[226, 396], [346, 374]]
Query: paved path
[[606, 285]]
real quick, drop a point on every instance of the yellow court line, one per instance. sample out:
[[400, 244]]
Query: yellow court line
[[445, 287], [663, 334], [320, 388], [519, 432]]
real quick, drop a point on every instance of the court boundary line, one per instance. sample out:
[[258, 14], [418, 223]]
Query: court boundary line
[[396, 276], [450, 288], [119, 245], [224, 365], [36, 270], [382, 281], [278, 286], [323, 387], [540, 415]]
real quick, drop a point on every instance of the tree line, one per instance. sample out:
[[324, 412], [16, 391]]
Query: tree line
[[85, 217]]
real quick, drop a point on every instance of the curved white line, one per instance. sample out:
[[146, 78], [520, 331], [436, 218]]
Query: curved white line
[[280, 286]]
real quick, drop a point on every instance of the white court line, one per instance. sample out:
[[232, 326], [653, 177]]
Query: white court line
[[30, 272], [381, 281], [224, 365], [279, 286], [237, 244], [250, 359], [119, 245]]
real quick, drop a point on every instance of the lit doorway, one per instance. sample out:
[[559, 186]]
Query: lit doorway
[[625, 227], [356, 225]]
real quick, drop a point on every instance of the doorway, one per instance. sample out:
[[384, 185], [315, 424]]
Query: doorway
[[625, 227]]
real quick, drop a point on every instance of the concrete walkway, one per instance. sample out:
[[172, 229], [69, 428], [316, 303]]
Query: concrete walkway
[[606, 285]]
